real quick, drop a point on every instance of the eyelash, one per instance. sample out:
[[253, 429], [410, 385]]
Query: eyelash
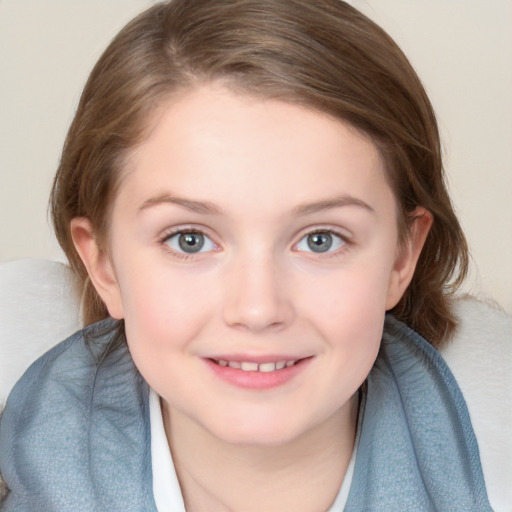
[[164, 239], [346, 242]]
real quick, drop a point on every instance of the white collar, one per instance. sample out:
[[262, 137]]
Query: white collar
[[166, 488]]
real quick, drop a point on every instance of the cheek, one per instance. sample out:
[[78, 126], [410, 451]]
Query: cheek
[[164, 311], [353, 295], [348, 309]]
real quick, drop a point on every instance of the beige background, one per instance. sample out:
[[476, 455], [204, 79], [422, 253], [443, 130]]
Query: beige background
[[462, 49]]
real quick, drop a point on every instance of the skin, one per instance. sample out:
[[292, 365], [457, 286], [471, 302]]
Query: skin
[[257, 177]]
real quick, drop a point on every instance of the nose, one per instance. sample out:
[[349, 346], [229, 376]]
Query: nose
[[257, 296]]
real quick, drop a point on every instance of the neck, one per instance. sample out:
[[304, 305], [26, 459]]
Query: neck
[[301, 475]]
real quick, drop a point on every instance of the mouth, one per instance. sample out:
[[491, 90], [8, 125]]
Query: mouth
[[252, 366], [258, 375]]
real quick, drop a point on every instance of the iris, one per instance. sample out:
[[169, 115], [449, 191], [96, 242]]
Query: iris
[[319, 242], [191, 242]]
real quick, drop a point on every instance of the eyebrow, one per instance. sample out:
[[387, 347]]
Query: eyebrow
[[203, 207], [328, 204]]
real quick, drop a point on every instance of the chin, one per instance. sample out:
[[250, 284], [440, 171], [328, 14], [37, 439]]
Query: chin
[[260, 439], [259, 432]]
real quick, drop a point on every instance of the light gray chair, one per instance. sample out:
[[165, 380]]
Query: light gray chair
[[40, 306]]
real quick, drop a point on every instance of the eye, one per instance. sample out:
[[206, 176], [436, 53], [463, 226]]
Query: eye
[[190, 242], [321, 241]]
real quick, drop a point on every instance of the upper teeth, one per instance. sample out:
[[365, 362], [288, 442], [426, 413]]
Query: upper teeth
[[248, 366]]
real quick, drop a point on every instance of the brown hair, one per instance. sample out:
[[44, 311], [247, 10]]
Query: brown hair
[[322, 54]]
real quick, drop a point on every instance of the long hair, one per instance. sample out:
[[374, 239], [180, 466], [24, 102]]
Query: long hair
[[323, 54]]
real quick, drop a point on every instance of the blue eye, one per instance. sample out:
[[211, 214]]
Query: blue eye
[[190, 242], [320, 242]]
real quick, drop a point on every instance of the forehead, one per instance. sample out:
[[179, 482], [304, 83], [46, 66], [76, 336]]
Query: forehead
[[212, 143]]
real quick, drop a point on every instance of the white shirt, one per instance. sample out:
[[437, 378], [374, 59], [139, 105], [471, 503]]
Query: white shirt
[[166, 488]]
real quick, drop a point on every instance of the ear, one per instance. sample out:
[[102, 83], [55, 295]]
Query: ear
[[407, 256], [98, 265]]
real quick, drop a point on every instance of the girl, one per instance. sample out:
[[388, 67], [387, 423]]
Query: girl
[[247, 189]]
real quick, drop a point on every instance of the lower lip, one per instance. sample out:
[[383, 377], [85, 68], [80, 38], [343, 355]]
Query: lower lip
[[258, 380]]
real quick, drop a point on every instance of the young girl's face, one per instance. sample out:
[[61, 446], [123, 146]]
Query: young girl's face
[[253, 254]]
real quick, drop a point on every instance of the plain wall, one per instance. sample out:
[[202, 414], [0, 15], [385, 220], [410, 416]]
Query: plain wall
[[462, 50]]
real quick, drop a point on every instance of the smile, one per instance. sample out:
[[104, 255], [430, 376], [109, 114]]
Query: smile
[[250, 366], [267, 373]]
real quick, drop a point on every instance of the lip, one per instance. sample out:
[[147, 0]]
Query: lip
[[254, 379], [255, 358]]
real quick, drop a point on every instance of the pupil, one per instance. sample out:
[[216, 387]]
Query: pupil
[[320, 242], [191, 242]]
